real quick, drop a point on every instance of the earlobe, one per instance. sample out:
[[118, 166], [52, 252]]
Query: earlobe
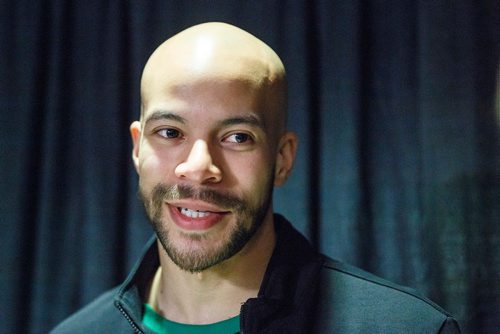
[[135, 133], [285, 158]]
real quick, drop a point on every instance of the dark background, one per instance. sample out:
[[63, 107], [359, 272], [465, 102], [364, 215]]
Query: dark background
[[395, 102]]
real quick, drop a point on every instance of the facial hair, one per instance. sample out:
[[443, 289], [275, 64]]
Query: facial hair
[[249, 219]]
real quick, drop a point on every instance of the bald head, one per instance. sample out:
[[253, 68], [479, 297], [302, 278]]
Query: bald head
[[217, 52]]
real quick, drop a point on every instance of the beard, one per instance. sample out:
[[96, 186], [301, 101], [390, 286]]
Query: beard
[[197, 258]]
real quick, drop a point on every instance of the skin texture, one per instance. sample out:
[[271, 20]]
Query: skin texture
[[209, 148]]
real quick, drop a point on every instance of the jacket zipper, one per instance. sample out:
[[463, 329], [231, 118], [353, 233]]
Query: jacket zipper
[[242, 317], [134, 326]]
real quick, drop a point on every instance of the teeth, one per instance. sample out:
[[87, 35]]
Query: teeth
[[194, 214]]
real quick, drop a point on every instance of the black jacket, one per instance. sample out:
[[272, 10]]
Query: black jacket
[[302, 292]]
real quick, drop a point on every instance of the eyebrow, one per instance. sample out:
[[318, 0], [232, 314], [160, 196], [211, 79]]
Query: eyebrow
[[249, 119], [164, 115]]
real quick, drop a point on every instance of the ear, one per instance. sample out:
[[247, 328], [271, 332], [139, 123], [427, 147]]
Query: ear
[[286, 156], [135, 132]]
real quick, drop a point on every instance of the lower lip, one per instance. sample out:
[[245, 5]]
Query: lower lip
[[194, 224]]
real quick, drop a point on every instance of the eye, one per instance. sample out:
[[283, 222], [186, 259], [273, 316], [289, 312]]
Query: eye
[[238, 138], [169, 133]]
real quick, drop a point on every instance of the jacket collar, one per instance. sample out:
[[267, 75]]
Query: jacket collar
[[286, 297], [132, 293]]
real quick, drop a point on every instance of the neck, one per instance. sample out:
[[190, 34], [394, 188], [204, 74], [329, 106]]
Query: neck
[[217, 293]]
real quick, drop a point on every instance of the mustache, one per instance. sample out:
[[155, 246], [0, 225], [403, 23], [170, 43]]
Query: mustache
[[163, 192]]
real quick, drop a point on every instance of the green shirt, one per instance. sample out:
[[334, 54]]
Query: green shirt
[[160, 325]]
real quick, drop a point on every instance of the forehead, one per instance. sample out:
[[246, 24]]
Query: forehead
[[207, 94]]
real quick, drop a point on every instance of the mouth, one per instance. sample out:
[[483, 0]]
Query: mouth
[[195, 217]]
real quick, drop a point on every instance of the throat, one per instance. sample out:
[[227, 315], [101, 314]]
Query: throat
[[154, 290], [217, 293]]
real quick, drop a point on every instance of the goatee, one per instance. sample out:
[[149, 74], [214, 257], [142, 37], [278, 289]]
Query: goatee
[[249, 219]]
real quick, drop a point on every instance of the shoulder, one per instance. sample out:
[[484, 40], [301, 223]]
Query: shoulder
[[354, 300], [97, 317], [118, 310]]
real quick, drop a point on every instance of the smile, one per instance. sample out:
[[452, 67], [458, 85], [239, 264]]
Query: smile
[[198, 217]]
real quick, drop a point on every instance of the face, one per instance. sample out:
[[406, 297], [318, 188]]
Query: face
[[208, 159]]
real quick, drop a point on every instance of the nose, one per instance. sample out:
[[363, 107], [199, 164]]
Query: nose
[[199, 166]]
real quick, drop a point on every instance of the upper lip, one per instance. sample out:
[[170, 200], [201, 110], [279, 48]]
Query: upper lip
[[197, 205]]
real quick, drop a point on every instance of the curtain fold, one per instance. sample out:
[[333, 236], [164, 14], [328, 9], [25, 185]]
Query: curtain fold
[[395, 104]]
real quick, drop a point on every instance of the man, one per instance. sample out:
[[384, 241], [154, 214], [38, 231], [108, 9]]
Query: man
[[209, 148]]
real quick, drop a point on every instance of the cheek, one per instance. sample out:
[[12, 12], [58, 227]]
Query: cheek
[[253, 174], [154, 166]]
